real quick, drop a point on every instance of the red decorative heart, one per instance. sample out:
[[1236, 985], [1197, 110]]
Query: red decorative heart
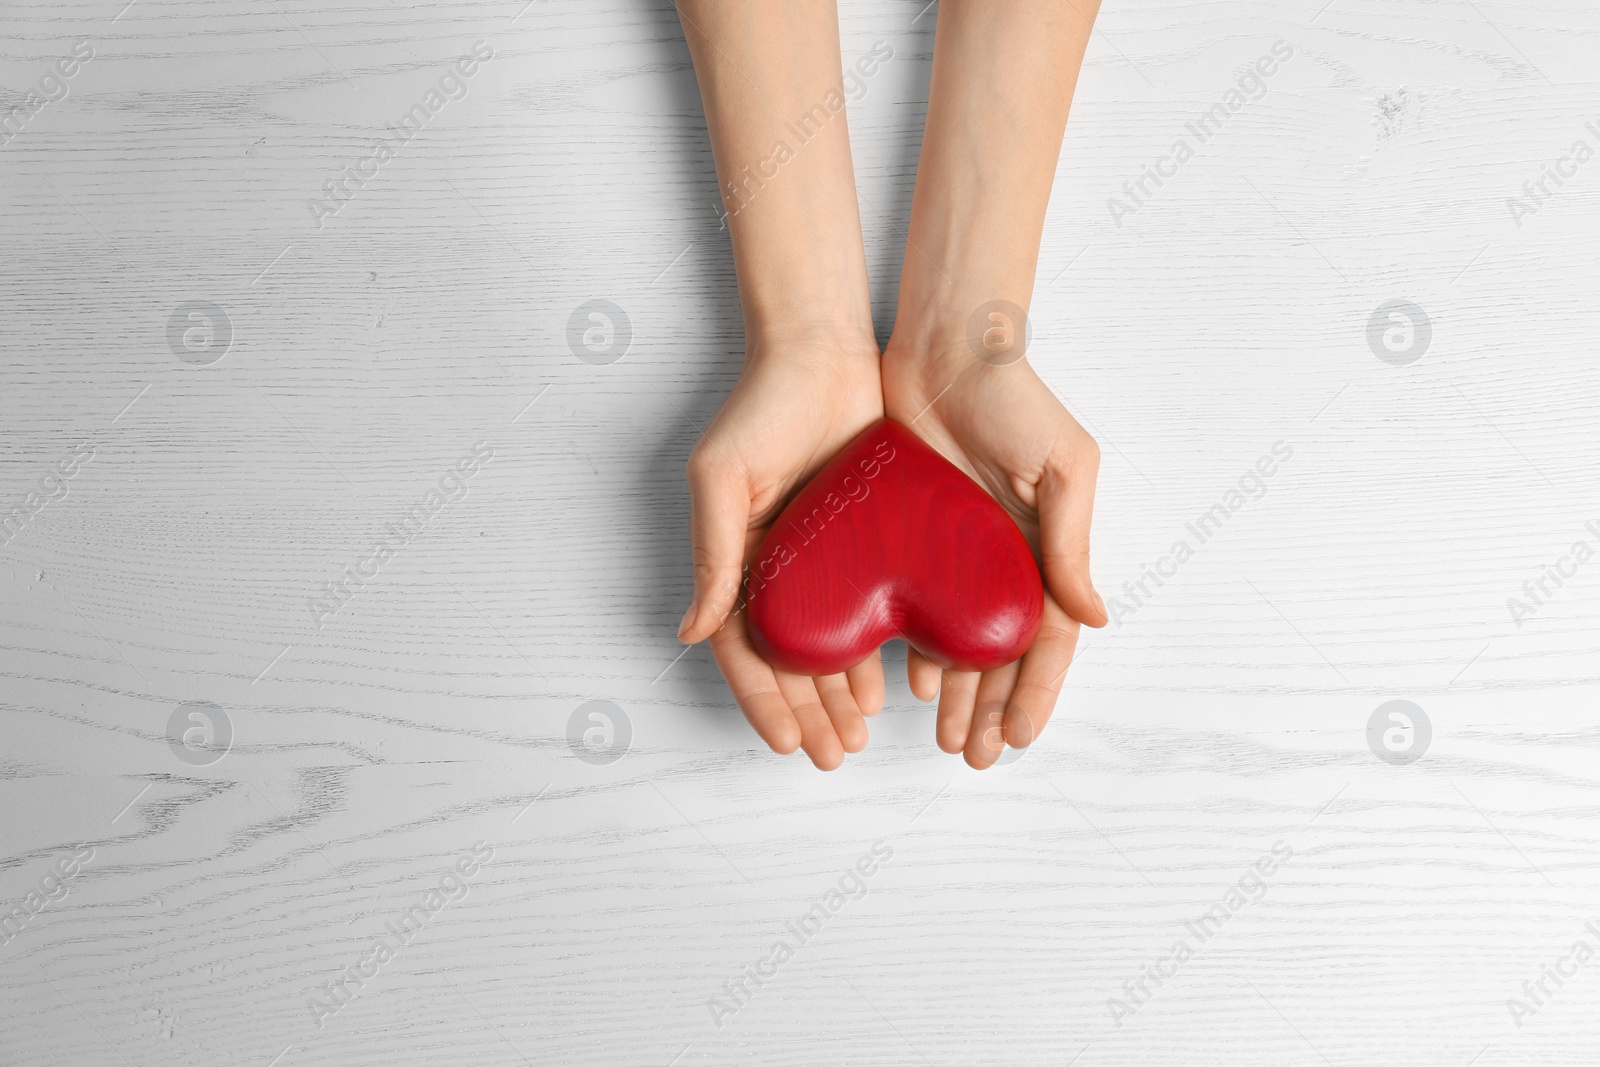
[[891, 539]]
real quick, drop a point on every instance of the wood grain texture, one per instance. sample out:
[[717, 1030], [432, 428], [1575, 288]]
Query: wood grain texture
[[1228, 711]]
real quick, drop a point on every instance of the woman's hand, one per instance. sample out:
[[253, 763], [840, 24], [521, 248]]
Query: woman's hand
[[1002, 82], [795, 407], [1002, 425], [811, 381]]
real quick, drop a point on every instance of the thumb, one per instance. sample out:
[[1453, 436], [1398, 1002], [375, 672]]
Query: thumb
[[1066, 508], [719, 516]]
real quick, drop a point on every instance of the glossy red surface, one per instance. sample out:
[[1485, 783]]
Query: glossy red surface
[[889, 540]]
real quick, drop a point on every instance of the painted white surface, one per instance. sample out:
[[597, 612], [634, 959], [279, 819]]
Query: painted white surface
[[369, 356]]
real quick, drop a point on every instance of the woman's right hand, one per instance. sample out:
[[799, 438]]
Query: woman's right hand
[[795, 406]]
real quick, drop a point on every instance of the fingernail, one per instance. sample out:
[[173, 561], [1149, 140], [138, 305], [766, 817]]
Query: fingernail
[[688, 617]]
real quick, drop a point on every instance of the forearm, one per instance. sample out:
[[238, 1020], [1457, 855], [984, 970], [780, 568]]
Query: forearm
[[770, 77], [1003, 77]]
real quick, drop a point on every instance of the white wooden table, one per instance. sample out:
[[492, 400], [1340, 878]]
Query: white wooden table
[[226, 467]]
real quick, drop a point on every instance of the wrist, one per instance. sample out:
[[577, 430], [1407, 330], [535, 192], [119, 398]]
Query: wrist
[[798, 255], [817, 312], [965, 292], [807, 283], [825, 344], [939, 340]]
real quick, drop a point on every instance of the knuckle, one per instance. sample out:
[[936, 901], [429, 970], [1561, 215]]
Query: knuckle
[[1054, 634], [703, 558], [1035, 692], [1073, 560], [1077, 457], [1085, 450], [699, 464], [709, 463], [706, 568]]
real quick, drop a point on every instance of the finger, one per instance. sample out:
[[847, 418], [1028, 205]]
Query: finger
[[1066, 510], [719, 517], [866, 684], [1044, 669], [986, 737], [956, 693], [922, 674], [817, 735], [843, 711], [755, 687]]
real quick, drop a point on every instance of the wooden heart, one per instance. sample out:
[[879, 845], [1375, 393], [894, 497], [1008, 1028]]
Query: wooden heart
[[891, 539]]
